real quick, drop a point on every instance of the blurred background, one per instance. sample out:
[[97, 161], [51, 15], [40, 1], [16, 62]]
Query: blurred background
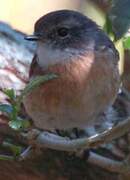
[[22, 14]]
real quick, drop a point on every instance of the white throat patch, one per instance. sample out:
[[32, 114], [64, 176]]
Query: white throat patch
[[48, 56]]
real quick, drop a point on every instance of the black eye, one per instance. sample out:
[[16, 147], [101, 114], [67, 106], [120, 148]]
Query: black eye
[[63, 31]]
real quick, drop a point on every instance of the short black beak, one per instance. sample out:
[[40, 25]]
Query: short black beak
[[32, 38]]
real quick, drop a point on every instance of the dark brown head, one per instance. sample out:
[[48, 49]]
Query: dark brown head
[[65, 33], [64, 28]]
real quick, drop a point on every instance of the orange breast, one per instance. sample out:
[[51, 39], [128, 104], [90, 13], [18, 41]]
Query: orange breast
[[67, 89], [83, 90]]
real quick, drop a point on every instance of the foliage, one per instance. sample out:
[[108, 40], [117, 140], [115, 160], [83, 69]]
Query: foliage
[[127, 42], [117, 25], [12, 110], [118, 21], [119, 15]]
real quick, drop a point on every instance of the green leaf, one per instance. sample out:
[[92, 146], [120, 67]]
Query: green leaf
[[25, 124], [108, 26], [15, 124], [14, 148], [10, 93], [35, 83], [6, 108], [126, 43], [5, 157], [19, 124], [119, 15]]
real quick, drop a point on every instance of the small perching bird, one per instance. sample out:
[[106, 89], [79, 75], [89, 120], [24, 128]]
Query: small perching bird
[[74, 47]]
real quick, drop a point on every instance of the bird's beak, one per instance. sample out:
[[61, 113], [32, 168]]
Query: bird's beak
[[32, 37]]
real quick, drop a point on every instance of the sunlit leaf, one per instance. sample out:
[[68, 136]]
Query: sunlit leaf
[[120, 17], [15, 124], [6, 108], [19, 124], [10, 93], [126, 43]]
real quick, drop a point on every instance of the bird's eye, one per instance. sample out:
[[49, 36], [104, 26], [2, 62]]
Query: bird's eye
[[63, 31]]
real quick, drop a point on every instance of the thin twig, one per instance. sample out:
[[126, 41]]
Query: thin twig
[[25, 154]]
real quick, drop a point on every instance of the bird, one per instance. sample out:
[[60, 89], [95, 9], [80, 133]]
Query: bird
[[75, 48]]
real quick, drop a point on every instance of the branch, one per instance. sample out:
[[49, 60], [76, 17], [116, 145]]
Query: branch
[[53, 141], [56, 142], [109, 164]]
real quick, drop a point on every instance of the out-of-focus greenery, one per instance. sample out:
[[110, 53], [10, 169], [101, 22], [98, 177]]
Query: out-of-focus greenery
[[114, 19], [117, 24], [126, 42], [119, 16], [118, 21]]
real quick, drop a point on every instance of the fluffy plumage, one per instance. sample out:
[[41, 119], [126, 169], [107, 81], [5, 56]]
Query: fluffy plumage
[[87, 64]]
